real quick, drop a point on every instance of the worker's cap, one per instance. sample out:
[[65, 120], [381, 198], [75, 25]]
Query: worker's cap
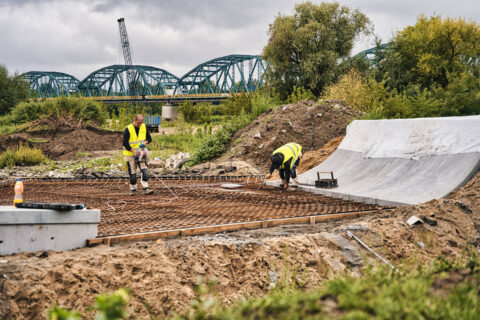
[[277, 160]]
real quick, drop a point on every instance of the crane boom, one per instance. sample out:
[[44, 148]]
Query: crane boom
[[127, 56]]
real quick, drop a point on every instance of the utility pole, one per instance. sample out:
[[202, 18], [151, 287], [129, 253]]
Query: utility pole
[[127, 56]]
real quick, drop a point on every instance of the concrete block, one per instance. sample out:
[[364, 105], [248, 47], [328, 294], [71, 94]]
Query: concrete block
[[30, 230]]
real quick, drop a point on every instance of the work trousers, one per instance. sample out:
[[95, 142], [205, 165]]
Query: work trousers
[[293, 173], [132, 165]]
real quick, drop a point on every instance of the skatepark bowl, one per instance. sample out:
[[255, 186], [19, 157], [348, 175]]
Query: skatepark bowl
[[183, 202]]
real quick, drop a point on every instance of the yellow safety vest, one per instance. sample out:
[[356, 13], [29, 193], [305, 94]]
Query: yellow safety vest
[[135, 141], [289, 150]]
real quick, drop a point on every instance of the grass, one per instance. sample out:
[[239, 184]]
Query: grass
[[167, 145], [22, 156], [444, 290]]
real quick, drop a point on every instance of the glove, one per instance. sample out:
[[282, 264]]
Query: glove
[[136, 157], [142, 146]]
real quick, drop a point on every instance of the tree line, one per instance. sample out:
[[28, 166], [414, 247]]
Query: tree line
[[431, 68]]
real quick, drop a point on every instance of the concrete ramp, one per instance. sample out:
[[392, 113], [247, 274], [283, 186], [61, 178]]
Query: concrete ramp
[[401, 161]]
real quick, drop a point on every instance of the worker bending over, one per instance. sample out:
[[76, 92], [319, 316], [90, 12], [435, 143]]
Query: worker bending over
[[135, 137], [286, 159]]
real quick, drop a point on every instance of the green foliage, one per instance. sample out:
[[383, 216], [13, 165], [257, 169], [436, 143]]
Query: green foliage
[[125, 116], [199, 113], [110, 307], [305, 48], [59, 313], [184, 141], [22, 156], [430, 52], [12, 90], [214, 145], [204, 302], [82, 109], [380, 294], [238, 104], [299, 94]]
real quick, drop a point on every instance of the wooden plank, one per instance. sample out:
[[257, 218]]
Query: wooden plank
[[224, 228]]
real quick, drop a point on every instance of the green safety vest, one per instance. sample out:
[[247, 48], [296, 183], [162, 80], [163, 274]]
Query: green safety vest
[[135, 141], [289, 150]]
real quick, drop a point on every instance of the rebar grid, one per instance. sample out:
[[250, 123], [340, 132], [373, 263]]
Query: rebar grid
[[179, 203]]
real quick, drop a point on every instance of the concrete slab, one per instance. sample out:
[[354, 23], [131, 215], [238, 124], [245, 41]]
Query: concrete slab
[[402, 161], [30, 230]]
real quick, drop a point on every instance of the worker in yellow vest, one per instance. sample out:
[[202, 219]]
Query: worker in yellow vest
[[136, 134], [286, 159]]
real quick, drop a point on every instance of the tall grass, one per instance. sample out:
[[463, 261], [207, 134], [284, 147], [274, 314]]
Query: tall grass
[[22, 156], [167, 145]]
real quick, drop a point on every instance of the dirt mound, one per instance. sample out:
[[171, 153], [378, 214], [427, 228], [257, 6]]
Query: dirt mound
[[62, 139], [244, 263], [308, 123]]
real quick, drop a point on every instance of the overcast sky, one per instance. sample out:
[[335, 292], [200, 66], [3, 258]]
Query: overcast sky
[[77, 37]]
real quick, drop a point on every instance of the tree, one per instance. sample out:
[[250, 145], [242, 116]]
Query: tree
[[12, 90], [307, 48], [430, 52]]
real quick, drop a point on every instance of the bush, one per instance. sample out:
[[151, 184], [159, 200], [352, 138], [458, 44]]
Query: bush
[[82, 109], [299, 94], [22, 156], [215, 144], [199, 113]]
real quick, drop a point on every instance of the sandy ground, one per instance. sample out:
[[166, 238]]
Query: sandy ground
[[245, 263]]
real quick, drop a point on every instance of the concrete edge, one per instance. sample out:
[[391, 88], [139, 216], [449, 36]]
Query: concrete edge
[[344, 196], [16, 216]]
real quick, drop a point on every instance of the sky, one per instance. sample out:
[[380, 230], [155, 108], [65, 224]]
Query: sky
[[80, 36]]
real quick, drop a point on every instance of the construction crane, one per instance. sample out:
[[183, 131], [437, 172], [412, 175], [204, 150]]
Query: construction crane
[[127, 56]]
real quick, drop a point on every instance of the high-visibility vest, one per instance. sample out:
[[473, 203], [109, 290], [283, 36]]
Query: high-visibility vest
[[135, 141], [289, 151]]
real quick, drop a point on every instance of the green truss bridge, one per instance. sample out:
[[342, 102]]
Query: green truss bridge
[[210, 81]]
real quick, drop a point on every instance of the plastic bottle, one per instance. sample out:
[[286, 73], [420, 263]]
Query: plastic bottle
[[18, 192]]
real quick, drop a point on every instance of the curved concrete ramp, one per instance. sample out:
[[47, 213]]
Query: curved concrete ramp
[[402, 161]]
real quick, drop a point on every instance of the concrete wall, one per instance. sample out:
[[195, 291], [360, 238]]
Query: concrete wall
[[30, 230]]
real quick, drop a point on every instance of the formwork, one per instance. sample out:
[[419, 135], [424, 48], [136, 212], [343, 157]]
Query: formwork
[[185, 203]]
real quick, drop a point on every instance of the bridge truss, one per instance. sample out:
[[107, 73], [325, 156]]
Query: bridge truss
[[113, 81], [45, 84], [229, 74]]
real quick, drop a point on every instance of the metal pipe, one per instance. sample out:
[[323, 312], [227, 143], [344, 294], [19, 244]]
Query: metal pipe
[[351, 235]]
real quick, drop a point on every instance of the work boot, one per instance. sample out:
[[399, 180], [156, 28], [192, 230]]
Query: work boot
[[294, 183], [133, 192], [147, 191]]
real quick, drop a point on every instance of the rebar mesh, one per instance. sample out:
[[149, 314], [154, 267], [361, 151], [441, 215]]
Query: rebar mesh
[[179, 203]]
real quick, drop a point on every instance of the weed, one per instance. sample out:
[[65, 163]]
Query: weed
[[22, 156], [36, 140], [81, 154]]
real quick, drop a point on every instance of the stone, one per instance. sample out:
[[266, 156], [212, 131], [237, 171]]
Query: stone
[[429, 221], [463, 206], [273, 138], [260, 146], [258, 135], [421, 245], [284, 131], [350, 252]]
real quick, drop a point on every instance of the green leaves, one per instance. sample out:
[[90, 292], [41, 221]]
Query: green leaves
[[12, 90], [304, 49]]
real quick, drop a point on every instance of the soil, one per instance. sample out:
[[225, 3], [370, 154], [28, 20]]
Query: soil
[[63, 139], [308, 123], [162, 274]]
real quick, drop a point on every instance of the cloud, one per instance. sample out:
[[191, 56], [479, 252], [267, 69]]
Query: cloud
[[78, 37]]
